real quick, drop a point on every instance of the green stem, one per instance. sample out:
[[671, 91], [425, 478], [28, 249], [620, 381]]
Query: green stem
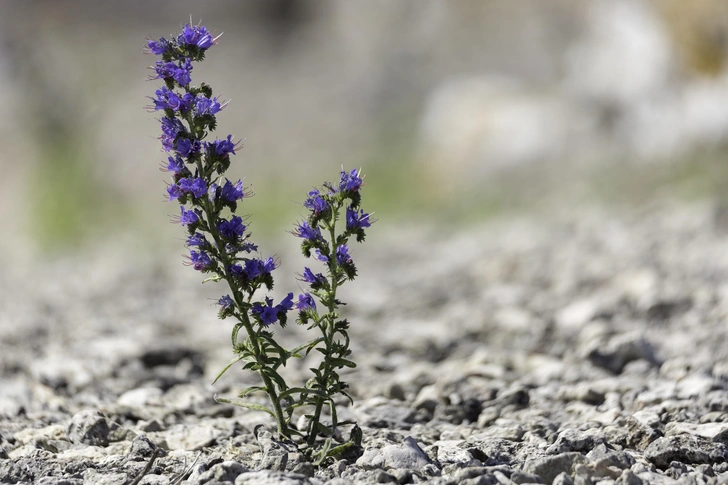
[[328, 324], [252, 336]]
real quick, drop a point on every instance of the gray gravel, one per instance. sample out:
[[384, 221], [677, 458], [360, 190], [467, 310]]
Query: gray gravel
[[581, 348]]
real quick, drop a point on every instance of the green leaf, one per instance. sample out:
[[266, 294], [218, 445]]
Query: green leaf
[[242, 404], [343, 363], [301, 390], [230, 364], [252, 389], [308, 345], [323, 453], [276, 377], [234, 337]]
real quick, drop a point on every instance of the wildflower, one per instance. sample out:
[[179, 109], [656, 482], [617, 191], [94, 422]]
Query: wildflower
[[252, 268], [174, 192], [175, 165], [158, 47], [166, 99], [172, 70], [188, 217], [313, 279], [286, 304], [200, 260], [225, 302], [350, 182], [232, 193], [222, 147], [267, 313], [305, 302], [342, 255], [355, 220], [196, 35], [305, 231], [187, 147], [171, 129], [196, 187], [232, 229], [270, 314], [206, 106], [269, 265], [196, 239], [315, 202], [321, 257]]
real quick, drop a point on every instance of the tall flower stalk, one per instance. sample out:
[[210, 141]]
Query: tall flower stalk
[[218, 245]]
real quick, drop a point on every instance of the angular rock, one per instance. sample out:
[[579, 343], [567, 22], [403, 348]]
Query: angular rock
[[620, 350], [403, 455], [685, 449], [549, 467], [717, 432], [227, 471], [269, 477], [90, 428]]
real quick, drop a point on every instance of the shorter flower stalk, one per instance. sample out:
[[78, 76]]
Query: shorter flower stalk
[[327, 243]]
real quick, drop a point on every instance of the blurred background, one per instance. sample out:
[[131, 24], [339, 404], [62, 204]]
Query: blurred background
[[457, 111]]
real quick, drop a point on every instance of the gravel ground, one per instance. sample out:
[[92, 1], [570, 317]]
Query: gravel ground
[[580, 348]]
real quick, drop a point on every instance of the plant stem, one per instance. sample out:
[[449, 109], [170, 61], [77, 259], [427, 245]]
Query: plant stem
[[328, 325], [252, 336]]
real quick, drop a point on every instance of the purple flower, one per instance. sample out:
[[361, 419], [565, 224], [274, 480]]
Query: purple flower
[[286, 304], [174, 192], [187, 147], [164, 70], [315, 202], [166, 99], [196, 35], [305, 302], [355, 220], [196, 187], [158, 47], [269, 265], [225, 302], [253, 268], [175, 165], [267, 313], [171, 128], [321, 257], [350, 182], [313, 279], [206, 106], [232, 229], [181, 73], [188, 217], [186, 102], [232, 193], [196, 239], [305, 231], [222, 147], [342, 255], [237, 270], [200, 260]]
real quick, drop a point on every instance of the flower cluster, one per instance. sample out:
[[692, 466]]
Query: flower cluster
[[218, 240], [197, 166], [219, 245], [322, 241]]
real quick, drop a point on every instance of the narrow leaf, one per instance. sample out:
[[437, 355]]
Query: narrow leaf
[[230, 364], [242, 404]]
